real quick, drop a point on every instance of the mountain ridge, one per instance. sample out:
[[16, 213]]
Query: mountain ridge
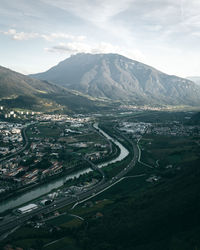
[[20, 91], [115, 77], [195, 79]]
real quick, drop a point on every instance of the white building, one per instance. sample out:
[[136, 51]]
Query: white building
[[27, 208]]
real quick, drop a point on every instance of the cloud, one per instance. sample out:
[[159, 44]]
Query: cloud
[[102, 47], [71, 48], [196, 34], [135, 22], [53, 36], [163, 30], [96, 11], [20, 35], [48, 37]]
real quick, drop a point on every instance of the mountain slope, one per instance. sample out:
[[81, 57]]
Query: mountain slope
[[195, 79], [21, 91], [116, 77], [14, 84]]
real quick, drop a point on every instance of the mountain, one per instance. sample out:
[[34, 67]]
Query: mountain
[[112, 76], [20, 91], [195, 79], [15, 84]]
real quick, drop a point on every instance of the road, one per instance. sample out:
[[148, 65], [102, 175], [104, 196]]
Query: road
[[95, 168], [139, 157], [20, 150], [103, 185]]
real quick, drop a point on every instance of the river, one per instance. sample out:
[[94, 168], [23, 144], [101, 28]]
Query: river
[[48, 187]]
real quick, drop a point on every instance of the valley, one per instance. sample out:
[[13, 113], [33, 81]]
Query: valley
[[99, 125], [77, 161], [157, 162]]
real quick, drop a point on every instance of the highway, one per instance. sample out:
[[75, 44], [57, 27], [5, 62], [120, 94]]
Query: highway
[[15, 220]]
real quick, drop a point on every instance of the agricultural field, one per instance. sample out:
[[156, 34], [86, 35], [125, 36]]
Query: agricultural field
[[167, 150]]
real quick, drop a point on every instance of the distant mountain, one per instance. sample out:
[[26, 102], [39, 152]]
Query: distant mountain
[[21, 91], [195, 79], [112, 76]]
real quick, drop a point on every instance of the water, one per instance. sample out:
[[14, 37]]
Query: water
[[123, 151], [46, 188]]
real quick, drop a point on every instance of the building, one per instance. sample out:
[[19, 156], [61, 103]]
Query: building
[[28, 208], [46, 202]]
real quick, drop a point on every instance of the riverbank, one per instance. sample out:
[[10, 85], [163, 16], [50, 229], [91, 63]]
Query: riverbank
[[37, 184], [48, 187]]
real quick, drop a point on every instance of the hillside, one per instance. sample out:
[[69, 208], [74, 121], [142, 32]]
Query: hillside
[[195, 79], [15, 84], [164, 217], [20, 91], [116, 77]]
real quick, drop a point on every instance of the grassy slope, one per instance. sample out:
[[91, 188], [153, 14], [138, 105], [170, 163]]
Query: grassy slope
[[164, 217], [20, 91]]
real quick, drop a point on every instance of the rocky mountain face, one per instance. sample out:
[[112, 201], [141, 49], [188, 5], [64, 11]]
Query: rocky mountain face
[[115, 77], [195, 79]]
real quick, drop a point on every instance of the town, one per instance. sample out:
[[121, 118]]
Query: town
[[44, 146]]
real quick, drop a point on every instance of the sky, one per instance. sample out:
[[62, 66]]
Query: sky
[[37, 34]]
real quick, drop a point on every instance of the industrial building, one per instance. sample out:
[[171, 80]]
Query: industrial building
[[27, 208], [45, 202]]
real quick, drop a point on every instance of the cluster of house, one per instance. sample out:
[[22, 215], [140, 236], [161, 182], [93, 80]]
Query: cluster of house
[[14, 171], [59, 117], [174, 129], [39, 116], [137, 128], [7, 113], [23, 175], [25, 168], [96, 155], [16, 114], [11, 138], [144, 107], [56, 168], [101, 153]]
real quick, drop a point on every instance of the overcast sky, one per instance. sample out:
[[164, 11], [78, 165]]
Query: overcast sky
[[37, 34]]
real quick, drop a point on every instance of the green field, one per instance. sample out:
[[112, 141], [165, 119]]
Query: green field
[[59, 220], [168, 150], [45, 130], [64, 243]]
